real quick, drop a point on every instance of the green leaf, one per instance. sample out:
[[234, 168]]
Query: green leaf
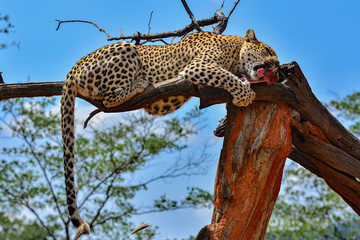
[[106, 159]]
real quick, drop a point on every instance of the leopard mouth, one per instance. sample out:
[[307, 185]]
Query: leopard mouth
[[264, 74]]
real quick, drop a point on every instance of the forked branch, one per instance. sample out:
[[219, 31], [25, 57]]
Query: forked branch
[[219, 19]]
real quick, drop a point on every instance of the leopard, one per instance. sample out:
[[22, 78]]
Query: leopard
[[116, 73]]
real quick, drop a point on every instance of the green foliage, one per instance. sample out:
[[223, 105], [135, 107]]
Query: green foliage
[[306, 207], [196, 197], [349, 109], [31, 170], [18, 229], [5, 27]]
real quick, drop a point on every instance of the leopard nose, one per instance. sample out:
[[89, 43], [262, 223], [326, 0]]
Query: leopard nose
[[277, 64], [273, 65]]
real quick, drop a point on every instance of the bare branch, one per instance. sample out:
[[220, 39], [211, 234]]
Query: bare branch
[[150, 21], [191, 15], [222, 22], [54, 197], [303, 160], [232, 10], [222, 5], [140, 36], [83, 21], [107, 218], [220, 129], [218, 18], [40, 220], [175, 33], [155, 40], [138, 213], [30, 89], [102, 205], [114, 171]]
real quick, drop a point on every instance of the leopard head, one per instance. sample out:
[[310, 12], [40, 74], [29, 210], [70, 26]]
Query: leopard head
[[258, 60]]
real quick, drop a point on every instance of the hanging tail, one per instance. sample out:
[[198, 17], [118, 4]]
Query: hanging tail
[[67, 125]]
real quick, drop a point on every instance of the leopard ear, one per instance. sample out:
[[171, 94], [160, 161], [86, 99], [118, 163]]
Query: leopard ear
[[250, 36]]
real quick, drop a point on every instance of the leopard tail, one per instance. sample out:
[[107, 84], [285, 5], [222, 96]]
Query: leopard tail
[[67, 123]]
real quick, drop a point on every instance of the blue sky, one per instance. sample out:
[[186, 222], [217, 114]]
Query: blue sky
[[319, 35]]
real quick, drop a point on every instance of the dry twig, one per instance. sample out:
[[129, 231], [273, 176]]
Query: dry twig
[[222, 5], [150, 21], [191, 15], [232, 10], [83, 21]]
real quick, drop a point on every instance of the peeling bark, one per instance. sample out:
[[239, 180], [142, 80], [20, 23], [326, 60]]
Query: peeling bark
[[257, 142]]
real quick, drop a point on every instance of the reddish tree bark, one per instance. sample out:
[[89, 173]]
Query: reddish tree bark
[[257, 142]]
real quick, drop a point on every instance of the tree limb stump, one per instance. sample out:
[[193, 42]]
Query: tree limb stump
[[257, 142]]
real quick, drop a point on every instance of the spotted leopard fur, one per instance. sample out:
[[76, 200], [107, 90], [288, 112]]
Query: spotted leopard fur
[[117, 72]]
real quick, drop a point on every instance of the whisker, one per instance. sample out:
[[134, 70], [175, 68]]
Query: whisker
[[273, 65], [283, 75]]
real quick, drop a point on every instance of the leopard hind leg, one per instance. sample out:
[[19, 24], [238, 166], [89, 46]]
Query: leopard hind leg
[[119, 95], [124, 79], [166, 105]]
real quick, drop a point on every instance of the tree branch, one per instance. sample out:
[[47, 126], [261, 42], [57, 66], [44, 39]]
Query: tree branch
[[83, 21], [40, 220], [105, 219], [303, 160], [114, 171], [222, 22], [222, 5], [46, 178], [232, 10], [311, 109], [102, 205], [150, 21], [140, 36], [153, 210], [219, 18], [339, 169], [191, 15]]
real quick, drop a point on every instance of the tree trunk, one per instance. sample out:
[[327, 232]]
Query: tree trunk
[[257, 142]]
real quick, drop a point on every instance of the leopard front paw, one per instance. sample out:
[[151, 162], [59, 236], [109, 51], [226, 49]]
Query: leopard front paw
[[240, 102], [244, 100], [140, 85]]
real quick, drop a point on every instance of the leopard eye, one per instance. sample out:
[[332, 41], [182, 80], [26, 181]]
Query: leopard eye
[[268, 51]]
